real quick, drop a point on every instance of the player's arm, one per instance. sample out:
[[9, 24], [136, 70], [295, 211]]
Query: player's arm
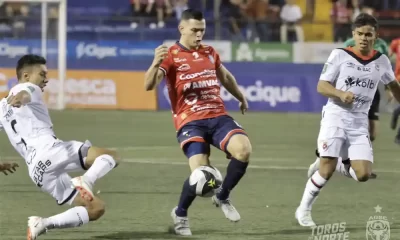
[[328, 76], [229, 82], [158, 69], [389, 79]]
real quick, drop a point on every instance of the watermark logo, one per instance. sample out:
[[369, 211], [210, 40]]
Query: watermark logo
[[334, 231], [378, 226]]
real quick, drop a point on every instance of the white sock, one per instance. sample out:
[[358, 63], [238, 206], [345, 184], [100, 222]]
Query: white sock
[[342, 168], [74, 217], [101, 166], [353, 174], [313, 187]]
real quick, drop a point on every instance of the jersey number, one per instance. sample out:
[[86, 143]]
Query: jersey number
[[13, 123]]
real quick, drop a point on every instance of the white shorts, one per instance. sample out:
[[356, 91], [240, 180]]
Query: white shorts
[[52, 165], [346, 138]]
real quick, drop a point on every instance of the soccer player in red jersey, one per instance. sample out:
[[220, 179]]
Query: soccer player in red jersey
[[192, 71]]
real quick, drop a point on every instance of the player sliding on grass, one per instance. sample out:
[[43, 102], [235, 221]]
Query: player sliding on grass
[[192, 71], [25, 118], [349, 79]]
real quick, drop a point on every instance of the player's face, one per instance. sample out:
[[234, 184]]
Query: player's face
[[192, 31], [38, 76], [365, 37]]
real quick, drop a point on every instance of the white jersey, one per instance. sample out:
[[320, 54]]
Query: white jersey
[[28, 128], [348, 72]]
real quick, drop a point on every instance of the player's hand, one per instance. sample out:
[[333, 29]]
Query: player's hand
[[7, 168], [15, 100], [243, 106], [347, 97], [160, 53]]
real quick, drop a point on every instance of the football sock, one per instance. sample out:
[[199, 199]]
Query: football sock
[[187, 197], [236, 170], [353, 174], [74, 217], [313, 187], [101, 166]]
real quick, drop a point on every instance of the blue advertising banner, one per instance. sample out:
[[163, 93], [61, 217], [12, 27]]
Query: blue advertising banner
[[110, 55], [277, 90]]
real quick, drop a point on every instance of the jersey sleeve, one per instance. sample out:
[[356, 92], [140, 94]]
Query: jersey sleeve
[[166, 64], [332, 67], [34, 91], [218, 62], [387, 74]]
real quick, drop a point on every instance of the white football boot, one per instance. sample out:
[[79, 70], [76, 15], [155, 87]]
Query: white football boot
[[36, 228], [313, 168], [181, 224], [84, 188], [227, 208], [304, 218]]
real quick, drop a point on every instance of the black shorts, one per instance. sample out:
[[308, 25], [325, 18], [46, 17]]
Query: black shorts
[[373, 113]]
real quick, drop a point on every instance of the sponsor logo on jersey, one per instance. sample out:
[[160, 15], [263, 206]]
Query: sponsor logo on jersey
[[39, 171], [178, 60], [201, 84], [184, 67], [363, 83], [205, 73]]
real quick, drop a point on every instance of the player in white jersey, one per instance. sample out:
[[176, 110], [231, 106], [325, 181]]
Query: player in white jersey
[[25, 118], [349, 79]]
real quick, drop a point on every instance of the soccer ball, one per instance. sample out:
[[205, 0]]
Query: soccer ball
[[204, 180]]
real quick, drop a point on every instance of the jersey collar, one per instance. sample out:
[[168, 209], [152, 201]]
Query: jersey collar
[[185, 48]]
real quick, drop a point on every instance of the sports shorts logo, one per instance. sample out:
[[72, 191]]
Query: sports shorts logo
[[378, 227]]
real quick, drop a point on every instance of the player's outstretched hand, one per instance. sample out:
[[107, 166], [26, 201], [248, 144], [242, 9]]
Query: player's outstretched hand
[[160, 53], [15, 100], [347, 97], [243, 106], [8, 167]]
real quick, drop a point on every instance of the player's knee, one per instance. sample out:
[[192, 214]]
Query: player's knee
[[95, 152], [327, 167], [362, 176], [96, 209], [243, 152]]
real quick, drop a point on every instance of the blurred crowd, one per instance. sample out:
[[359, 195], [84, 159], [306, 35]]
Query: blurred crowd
[[247, 20]]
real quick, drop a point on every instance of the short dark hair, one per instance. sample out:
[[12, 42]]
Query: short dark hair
[[192, 14], [27, 61], [364, 19]]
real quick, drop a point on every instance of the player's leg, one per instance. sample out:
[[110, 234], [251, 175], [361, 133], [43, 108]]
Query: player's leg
[[192, 138], [98, 162], [373, 116], [361, 155], [231, 138], [342, 166], [330, 143], [83, 212]]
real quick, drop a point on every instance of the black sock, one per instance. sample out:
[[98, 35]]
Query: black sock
[[187, 197], [236, 170]]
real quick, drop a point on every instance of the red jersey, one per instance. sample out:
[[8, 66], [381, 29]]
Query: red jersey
[[395, 48], [193, 87]]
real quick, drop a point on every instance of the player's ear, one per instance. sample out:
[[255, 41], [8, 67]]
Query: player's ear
[[180, 28]]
